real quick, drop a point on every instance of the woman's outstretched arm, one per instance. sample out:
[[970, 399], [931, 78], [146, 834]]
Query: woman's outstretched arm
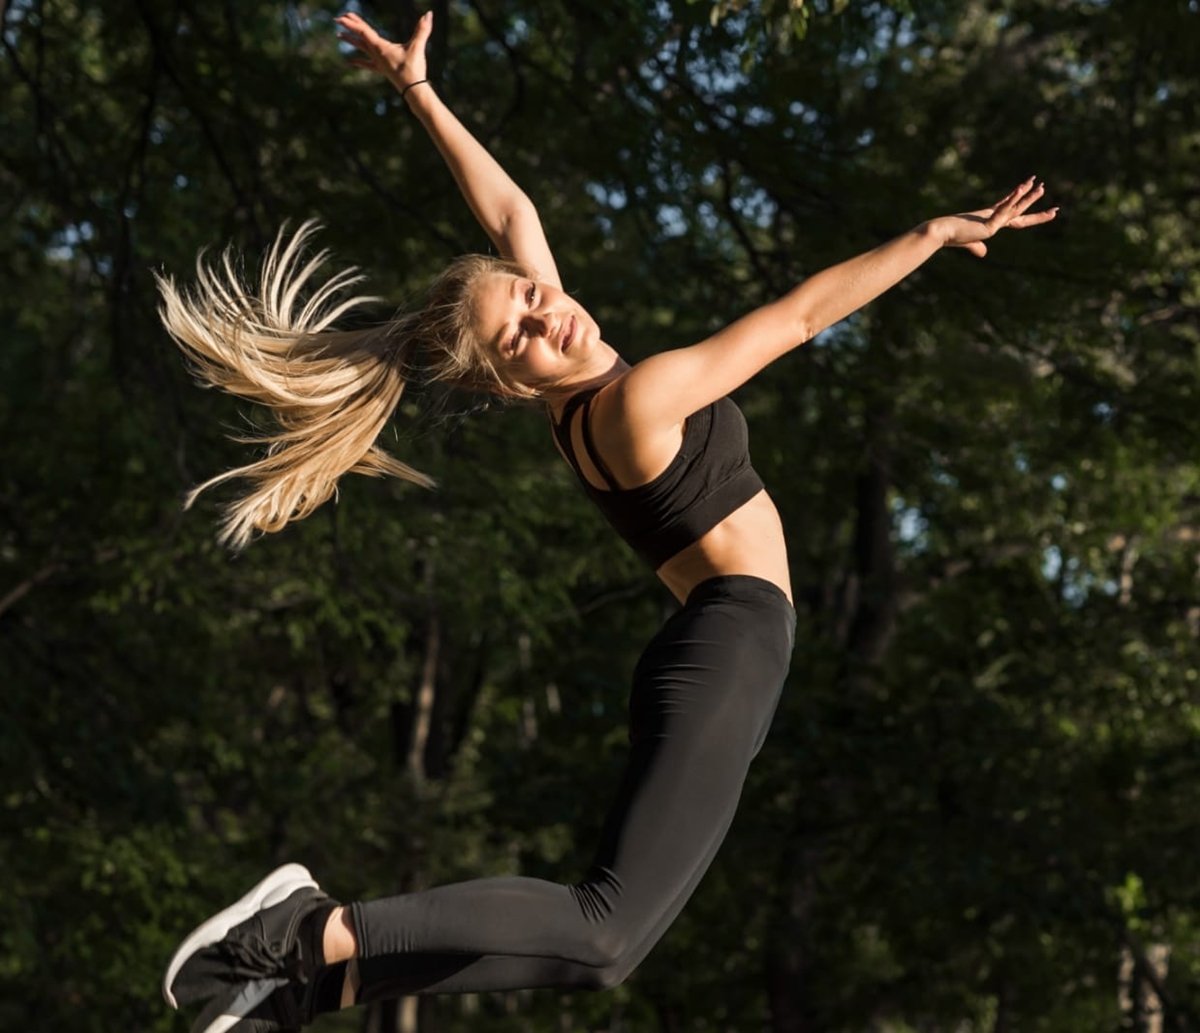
[[666, 388], [502, 208]]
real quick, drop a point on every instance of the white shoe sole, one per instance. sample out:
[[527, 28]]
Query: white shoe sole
[[249, 998], [277, 886]]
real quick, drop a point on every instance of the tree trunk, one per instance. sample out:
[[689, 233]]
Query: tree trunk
[[868, 620], [423, 700]]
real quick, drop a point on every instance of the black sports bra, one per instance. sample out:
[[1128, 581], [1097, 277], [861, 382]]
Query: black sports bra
[[709, 478]]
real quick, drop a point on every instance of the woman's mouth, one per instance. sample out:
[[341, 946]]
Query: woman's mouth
[[569, 335]]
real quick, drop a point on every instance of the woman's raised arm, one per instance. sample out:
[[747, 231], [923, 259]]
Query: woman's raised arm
[[502, 208]]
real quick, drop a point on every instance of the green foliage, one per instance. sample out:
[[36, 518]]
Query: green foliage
[[979, 796]]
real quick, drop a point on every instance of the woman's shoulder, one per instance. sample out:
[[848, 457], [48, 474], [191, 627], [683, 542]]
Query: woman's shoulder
[[634, 448]]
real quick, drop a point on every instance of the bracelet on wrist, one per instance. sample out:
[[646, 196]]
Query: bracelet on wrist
[[410, 86]]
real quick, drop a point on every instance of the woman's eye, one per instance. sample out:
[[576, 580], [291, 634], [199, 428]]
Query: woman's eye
[[531, 294]]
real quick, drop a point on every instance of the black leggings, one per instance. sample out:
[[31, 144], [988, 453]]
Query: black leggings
[[704, 693]]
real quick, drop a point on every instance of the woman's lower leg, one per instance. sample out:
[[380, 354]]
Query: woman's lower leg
[[339, 942]]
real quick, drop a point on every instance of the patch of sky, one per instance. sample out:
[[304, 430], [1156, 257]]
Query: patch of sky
[[807, 115], [1051, 562], [653, 78], [713, 74], [1074, 585], [708, 216], [715, 80], [180, 182], [904, 36], [847, 334], [516, 32], [865, 138], [756, 206], [757, 115], [1058, 482], [670, 218], [18, 11], [381, 107], [912, 528], [64, 243], [860, 57], [1103, 412], [943, 476], [296, 21], [1081, 73], [609, 197], [893, 31]]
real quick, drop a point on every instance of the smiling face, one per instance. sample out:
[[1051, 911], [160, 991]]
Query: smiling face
[[537, 335]]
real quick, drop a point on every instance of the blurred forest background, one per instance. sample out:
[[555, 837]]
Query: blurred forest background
[[978, 811]]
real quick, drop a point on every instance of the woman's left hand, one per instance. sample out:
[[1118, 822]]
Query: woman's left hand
[[971, 229], [402, 63]]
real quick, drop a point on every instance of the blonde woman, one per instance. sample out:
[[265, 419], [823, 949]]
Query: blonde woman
[[662, 451]]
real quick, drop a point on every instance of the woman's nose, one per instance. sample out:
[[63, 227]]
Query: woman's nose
[[536, 323]]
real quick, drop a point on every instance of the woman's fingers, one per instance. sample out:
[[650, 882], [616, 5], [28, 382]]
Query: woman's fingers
[[1005, 207], [353, 20], [355, 41], [1022, 222], [421, 33], [1011, 211], [1031, 196], [359, 29]]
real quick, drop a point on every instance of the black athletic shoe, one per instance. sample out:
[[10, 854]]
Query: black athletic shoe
[[274, 1005], [253, 939], [258, 1006]]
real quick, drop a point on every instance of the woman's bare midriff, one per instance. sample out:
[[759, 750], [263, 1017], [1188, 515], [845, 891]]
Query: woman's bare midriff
[[748, 541]]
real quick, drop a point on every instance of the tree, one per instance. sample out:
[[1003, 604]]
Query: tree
[[975, 808]]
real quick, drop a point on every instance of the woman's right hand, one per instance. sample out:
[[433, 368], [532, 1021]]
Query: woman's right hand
[[402, 64], [970, 229]]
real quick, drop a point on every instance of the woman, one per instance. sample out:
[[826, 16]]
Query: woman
[[661, 450]]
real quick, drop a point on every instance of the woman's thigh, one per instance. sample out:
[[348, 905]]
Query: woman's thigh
[[703, 696]]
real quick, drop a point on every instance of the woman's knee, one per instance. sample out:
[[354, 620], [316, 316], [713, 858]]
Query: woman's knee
[[604, 978], [614, 954], [607, 949]]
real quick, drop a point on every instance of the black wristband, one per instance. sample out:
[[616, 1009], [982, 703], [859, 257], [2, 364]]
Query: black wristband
[[410, 86]]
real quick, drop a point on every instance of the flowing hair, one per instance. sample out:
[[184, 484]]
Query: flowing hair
[[330, 391]]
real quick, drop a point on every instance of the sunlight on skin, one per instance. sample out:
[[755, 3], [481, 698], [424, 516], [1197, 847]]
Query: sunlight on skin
[[541, 335]]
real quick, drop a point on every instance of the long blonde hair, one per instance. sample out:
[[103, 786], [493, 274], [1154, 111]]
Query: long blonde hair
[[331, 391]]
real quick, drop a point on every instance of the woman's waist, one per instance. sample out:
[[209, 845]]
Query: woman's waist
[[748, 541]]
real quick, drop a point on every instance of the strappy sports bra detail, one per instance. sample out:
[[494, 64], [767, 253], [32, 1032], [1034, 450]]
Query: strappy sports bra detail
[[588, 444], [708, 478]]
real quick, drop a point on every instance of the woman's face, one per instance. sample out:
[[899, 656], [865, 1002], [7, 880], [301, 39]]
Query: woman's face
[[538, 335]]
